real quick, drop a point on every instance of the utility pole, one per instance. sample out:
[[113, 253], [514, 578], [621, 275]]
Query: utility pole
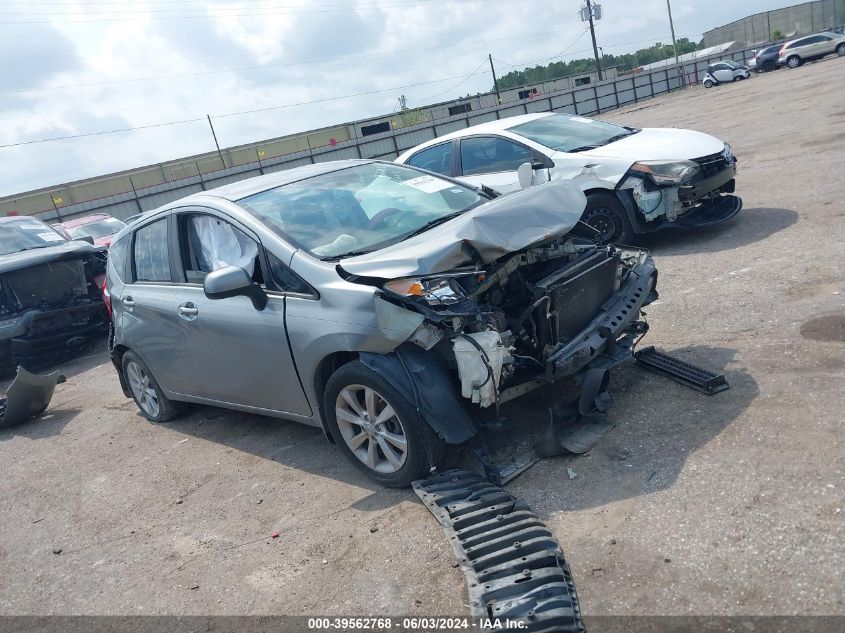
[[219, 153], [593, 35], [674, 44], [495, 81]]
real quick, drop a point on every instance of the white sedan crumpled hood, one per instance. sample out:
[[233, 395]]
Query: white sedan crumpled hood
[[492, 230], [657, 143]]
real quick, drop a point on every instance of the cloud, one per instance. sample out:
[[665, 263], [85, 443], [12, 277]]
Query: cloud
[[368, 49], [31, 57]]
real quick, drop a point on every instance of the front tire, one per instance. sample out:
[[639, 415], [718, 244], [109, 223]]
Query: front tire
[[376, 427], [794, 61], [840, 50], [768, 66], [606, 214], [708, 83], [148, 396]]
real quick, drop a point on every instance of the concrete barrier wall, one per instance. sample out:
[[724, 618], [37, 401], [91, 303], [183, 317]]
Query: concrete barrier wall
[[138, 196]]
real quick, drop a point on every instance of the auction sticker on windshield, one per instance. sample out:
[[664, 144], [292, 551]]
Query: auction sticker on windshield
[[428, 184], [50, 237], [580, 119]]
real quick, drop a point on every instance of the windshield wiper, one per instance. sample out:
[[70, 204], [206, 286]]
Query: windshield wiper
[[431, 224], [583, 148], [620, 136], [332, 258], [31, 248]]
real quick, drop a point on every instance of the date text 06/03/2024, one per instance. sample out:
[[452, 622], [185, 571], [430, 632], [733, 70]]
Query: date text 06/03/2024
[[412, 624]]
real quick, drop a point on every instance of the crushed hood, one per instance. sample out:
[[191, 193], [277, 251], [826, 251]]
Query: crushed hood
[[658, 143], [492, 230], [36, 256]]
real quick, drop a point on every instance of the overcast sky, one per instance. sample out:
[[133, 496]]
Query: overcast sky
[[64, 66]]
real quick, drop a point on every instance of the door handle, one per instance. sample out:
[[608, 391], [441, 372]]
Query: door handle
[[188, 310], [128, 302]]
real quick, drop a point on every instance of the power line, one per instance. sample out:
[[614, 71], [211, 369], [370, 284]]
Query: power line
[[270, 66], [229, 114], [440, 94]]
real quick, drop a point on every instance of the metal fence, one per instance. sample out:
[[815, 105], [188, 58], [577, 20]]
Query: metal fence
[[585, 100]]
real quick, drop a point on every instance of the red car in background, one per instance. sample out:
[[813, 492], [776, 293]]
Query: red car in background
[[101, 227]]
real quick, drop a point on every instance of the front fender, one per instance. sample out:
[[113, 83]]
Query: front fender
[[425, 381]]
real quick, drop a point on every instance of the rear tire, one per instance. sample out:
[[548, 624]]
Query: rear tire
[[148, 396], [794, 61], [606, 214], [376, 427]]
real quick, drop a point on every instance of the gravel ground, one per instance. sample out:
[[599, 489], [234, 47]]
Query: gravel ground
[[691, 505]]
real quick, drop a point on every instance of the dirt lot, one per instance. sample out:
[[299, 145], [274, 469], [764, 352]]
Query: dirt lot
[[731, 504]]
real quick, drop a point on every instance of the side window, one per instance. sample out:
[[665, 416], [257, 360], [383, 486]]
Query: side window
[[286, 279], [489, 154], [437, 159], [117, 255], [151, 257], [209, 243]]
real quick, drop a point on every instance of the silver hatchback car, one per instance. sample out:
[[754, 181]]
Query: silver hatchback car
[[379, 302]]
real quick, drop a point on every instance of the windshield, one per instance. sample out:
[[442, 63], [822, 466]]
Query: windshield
[[359, 209], [25, 234], [97, 228], [566, 133]]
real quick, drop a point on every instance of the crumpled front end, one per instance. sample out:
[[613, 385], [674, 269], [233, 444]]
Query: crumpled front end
[[682, 193], [540, 314], [51, 308]]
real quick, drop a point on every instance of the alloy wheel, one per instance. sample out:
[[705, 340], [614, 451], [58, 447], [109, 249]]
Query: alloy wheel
[[371, 428], [142, 389]]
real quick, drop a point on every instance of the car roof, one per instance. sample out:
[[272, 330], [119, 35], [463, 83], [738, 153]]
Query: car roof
[[832, 34], [243, 188], [19, 218], [499, 125], [85, 219]]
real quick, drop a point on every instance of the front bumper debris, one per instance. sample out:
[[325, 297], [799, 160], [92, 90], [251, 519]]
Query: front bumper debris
[[515, 569], [27, 397]]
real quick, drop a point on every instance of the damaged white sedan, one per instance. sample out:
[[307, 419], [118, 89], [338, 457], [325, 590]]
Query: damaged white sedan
[[635, 180], [376, 301]]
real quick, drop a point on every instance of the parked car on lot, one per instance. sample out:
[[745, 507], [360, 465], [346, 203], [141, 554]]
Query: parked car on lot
[[765, 59], [101, 227], [725, 71], [50, 298], [636, 180], [374, 300], [795, 52]]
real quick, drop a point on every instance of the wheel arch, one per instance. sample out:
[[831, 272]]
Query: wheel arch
[[325, 368], [117, 353]]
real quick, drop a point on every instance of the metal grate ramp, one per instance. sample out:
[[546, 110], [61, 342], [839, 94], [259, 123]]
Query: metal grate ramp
[[681, 371]]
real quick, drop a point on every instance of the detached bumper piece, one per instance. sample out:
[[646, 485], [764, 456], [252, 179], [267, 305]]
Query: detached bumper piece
[[514, 567], [681, 371], [27, 397], [720, 209]]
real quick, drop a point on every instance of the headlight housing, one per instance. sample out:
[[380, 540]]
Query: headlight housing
[[728, 153], [438, 291], [667, 172]]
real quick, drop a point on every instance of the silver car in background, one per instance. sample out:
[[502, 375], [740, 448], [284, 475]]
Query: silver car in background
[[379, 302], [803, 49]]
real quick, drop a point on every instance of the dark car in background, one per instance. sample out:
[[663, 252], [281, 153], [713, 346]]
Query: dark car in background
[[51, 301], [765, 59], [101, 227]]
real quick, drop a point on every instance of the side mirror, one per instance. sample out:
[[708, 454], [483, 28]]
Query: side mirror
[[233, 281], [84, 238], [525, 174]]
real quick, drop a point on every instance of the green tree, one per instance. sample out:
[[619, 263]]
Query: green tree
[[627, 61]]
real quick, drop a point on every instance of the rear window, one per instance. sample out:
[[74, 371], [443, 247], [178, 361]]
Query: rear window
[[26, 234], [117, 256]]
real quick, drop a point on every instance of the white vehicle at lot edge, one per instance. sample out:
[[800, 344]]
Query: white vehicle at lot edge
[[636, 180]]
